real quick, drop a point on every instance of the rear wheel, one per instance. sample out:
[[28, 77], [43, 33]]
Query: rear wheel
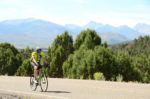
[[33, 85], [44, 83]]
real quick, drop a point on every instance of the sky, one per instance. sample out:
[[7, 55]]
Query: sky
[[79, 12]]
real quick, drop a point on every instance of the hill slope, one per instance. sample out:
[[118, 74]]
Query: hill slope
[[136, 47]]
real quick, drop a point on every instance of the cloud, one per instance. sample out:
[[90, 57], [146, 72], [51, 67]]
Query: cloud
[[40, 14], [112, 18], [14, 9]]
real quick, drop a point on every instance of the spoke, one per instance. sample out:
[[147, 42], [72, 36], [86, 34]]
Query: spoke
[[33, 85], [44, 83]]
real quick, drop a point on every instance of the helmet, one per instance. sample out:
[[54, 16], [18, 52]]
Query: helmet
[[38, 49]]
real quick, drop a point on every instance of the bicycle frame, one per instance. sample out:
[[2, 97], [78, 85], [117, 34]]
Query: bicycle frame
[[40, 76]]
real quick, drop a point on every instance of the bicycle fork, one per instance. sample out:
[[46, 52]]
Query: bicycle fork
[[39, 78]]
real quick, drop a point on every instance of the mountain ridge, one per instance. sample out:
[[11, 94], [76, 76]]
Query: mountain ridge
[[41, 32]]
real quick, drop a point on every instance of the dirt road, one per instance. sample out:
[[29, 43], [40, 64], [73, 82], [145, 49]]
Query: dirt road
[[73, 89]]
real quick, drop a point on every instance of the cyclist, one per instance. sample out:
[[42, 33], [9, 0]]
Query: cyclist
[[35, 61]]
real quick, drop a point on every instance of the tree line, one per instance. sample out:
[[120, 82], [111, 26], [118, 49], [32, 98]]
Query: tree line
[[85, 58]]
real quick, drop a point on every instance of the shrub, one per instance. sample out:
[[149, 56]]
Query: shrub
[[25, 69], [119, 78], [99, 76], [10, 59]]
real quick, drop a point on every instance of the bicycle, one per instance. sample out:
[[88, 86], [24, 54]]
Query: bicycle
[[42, 81]]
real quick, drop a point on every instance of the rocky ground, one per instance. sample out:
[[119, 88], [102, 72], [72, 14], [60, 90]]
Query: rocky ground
[[10, 96]]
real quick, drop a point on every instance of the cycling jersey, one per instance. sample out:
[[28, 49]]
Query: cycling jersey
[[37, 57]]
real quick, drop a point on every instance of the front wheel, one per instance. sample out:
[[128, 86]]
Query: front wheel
[[44, 83], [33, 85]]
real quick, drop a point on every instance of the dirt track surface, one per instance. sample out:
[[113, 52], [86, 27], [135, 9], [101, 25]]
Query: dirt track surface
[[18, 88]]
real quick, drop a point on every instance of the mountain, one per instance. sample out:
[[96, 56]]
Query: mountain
[[35, 32], [32, 32], [73, 28], [29, 25], [93, 25], [122, 30], [141, 27], [112, 38]]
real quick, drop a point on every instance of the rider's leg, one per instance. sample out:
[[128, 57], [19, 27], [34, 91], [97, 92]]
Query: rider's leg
[[39, 69], [35, 71], [40, 72]]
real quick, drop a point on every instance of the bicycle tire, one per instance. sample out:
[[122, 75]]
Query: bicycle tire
[[44, 83], [33, 85]]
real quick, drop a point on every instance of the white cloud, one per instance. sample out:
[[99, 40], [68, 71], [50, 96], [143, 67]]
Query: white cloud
[[115, 19], [14, 13], [112, 18]]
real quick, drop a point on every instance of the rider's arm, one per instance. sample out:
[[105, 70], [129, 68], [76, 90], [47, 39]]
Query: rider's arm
[[44, 59], [35, 61]]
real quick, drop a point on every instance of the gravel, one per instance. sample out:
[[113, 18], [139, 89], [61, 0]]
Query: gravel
[[10, 96]]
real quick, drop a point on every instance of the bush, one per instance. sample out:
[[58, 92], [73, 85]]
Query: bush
[[25, 69], [119, 78], [10, 59], [105, 62], [99, 76], [67, 65]]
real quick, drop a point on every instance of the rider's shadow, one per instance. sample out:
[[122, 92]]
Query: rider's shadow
[[58, 92]]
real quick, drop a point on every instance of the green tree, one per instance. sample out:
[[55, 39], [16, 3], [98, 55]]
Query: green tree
[[136, 47], [67, 66], [105, 62], [105, 44], [133, 59], [87, 37], [85, 62], [26, 53], [142, 66], [25, 69], [61, 48], [10, 59], [125, 67]]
